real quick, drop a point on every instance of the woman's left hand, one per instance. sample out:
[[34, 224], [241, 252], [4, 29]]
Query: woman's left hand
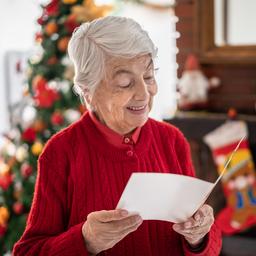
[[197, 226]]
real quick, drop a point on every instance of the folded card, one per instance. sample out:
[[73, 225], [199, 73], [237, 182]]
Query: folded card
[[164, 196]]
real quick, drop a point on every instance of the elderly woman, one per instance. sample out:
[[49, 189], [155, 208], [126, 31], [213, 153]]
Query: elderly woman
[[85, 167]]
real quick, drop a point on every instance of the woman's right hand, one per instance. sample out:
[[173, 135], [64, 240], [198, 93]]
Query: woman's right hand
[[103, 229]]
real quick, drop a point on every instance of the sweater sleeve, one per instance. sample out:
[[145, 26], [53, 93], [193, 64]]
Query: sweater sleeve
[[213, 240], [212, 246], [46, 232]]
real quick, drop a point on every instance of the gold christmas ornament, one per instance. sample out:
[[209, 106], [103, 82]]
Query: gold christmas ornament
[[37, 148], [4, 168], [11, 162], [21, 153], [39, 125], [63, 43], [89, 11], [69, 1], [51, 28], [4, 215]]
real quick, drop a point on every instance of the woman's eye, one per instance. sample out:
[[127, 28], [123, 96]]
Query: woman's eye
[[125, 85], [150, 79]]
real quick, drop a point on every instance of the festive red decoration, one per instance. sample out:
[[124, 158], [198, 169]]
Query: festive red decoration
[[6, 181], [38, 37], [193, 86], [39, 83], [52, 8], [53, 60], [26, 170], [57, 118], [18, 208], [239, 179], [3, 230], [71, 23], [42, 20], [45, 97], [29, 135], [232, 113], [192, 63]]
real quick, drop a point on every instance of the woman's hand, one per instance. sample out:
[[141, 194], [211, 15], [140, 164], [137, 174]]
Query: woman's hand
[[196, 227], [103, 229]]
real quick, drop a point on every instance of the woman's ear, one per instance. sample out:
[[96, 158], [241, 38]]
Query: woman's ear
[[88, 98]]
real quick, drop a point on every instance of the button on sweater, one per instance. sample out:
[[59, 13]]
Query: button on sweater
[[80, 172]]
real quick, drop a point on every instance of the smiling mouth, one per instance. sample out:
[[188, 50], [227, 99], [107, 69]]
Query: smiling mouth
[[137, 108]]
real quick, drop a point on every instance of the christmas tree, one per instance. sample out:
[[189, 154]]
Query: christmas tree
[[52, 105]]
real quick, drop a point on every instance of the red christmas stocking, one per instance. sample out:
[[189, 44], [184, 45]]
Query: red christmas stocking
[[239, 181]]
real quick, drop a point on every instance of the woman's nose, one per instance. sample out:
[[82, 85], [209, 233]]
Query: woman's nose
[[142, 91]]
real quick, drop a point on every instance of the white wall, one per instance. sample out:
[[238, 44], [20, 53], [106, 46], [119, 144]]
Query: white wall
[[242, 22], [17, 26]]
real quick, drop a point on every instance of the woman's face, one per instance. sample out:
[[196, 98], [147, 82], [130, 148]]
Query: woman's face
[[123, 99]]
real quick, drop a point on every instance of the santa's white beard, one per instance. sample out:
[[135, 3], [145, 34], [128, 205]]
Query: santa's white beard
[[193, 87]]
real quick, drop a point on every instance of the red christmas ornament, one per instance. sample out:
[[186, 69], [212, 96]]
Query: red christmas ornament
[[39, 82], [26, 170], [52, 60], [3, 230], [18, 208], [232, 113], [29, 135], [71, 23], [6, 181], [38, 37], [52, 9], [45, 97], [42, 20], [57, 118]]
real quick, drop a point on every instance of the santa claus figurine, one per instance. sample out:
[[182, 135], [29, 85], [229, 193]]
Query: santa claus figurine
[[193, 86]]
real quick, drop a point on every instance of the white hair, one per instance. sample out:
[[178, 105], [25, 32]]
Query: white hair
[[93, 42]]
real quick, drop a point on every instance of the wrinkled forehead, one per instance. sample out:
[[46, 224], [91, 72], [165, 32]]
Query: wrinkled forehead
[[114, 64]]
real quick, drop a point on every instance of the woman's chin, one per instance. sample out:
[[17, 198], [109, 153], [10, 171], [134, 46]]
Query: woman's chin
[[138, 122]]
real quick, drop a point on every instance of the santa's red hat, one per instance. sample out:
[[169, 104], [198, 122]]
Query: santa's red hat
[[192, 63]]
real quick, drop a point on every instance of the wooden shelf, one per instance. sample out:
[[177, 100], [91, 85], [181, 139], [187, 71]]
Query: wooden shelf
[[195, 125]]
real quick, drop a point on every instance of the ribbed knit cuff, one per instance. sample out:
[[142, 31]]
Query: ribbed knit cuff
[[70, 243], [210, 247], [195, 250]]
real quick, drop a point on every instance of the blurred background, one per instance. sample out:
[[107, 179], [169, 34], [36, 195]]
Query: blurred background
[[207, 88]]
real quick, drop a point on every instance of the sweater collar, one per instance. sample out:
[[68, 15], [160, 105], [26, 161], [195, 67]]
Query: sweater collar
[[113, 137], [99, 143]]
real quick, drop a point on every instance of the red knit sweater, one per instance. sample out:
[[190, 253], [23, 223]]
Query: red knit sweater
[[80, 172]]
